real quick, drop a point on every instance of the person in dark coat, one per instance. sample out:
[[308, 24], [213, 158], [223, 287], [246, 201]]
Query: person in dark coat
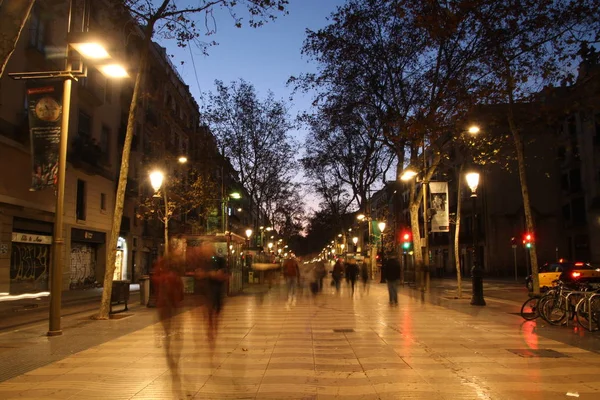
[[391, 272], [352, 272], [336, 274]]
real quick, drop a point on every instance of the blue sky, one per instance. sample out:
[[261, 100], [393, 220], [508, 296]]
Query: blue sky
[[266, 56]]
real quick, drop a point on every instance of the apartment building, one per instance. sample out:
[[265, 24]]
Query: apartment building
[[167, 124]]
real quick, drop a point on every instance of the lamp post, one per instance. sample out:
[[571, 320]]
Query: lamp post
[[476, 271], [355, 241], [424, 273], [372, 262], [94, 52], [381, 226], [156, 180]]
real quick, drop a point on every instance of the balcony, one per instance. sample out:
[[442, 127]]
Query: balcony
[[86, 154]]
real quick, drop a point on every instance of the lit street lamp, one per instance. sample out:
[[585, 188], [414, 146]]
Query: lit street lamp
[[355, 241], [476, 271], [381, 226]]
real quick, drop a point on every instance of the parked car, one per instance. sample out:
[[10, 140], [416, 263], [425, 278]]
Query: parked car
[[566, 271]]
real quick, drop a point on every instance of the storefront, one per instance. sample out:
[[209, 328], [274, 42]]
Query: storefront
[[30, 256], [121, 261], [86, 246]]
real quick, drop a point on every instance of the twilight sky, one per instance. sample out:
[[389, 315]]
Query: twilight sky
[[265, 57]]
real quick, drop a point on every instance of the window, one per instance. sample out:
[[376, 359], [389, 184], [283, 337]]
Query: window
[[37, 31], [578, 211], [103, 201], [105, 142], [84, 126], [80, 204]]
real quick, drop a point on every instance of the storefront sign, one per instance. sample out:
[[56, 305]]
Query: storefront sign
[[44, 103], [85, 236], [29, 238]]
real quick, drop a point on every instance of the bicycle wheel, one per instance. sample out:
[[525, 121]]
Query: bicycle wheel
[[552, 309], [530, 309], [588, 310]]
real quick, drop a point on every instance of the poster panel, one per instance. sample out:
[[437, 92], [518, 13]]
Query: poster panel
[[438, 197]]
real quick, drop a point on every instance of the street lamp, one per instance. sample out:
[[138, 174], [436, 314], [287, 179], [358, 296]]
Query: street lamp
[[156, 180], [270, 245], [381, 226], [476, 271], [355, 241]]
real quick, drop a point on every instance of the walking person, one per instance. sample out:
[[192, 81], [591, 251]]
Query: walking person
[[336, 274], [392, 276], [364, 275], [212, 275], [320, 273], [352, 272], [169, 296], [291, 271]]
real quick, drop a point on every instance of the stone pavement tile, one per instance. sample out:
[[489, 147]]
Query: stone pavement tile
[[46, 393], [343, 391], [287, 390]]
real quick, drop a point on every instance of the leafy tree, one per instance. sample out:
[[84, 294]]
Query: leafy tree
[[526, 45], [177, 22], [378, 55], [254, 135], [179, 195], [347, 143], [13, 17]]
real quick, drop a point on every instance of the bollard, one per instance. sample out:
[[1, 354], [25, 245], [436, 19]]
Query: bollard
[[477, 283]]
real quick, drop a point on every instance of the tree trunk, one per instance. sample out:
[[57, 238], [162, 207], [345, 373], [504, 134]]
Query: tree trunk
[[166, 222], [457, 235], [416, 234], [526, 203], [519, 146], [120, 197], [13, 16]]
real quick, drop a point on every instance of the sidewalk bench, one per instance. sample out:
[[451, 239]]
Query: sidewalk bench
[[119, 295]]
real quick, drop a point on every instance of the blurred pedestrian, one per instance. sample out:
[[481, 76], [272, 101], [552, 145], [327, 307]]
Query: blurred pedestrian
[[167, 282], [336, 274], [364, 275], [320, 273], [211, 272], [392, 276], [291, 272], [352, 272]]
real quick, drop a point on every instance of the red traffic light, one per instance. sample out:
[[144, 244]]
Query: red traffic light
[[528, 237], [406, 237]]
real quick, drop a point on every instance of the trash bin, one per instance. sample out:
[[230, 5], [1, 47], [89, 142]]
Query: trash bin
[[144, 289]]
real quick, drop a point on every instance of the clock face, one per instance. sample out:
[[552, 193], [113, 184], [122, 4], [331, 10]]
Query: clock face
[[47, 109]]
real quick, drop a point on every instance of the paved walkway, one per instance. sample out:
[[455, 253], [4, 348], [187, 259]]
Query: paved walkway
[[325, 347]]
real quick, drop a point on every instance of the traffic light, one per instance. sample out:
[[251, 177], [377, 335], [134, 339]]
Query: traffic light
[[527, 240], [406, 240]]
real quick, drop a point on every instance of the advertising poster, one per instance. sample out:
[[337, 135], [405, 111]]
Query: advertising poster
[[44, 103], [440, 220]]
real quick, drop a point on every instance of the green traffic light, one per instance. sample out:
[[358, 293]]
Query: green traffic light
[[528, 245], [406, 245]]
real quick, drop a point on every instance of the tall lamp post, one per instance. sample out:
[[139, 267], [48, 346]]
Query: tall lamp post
[[156, 180], [381, 226], [93, 51], [476, 271], [355, 241]]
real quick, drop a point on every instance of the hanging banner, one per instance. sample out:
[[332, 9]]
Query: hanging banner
[[438, 192], [44, 104]]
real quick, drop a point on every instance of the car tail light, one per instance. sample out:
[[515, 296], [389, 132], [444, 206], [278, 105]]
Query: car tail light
[[576, 274], [579, 264]]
